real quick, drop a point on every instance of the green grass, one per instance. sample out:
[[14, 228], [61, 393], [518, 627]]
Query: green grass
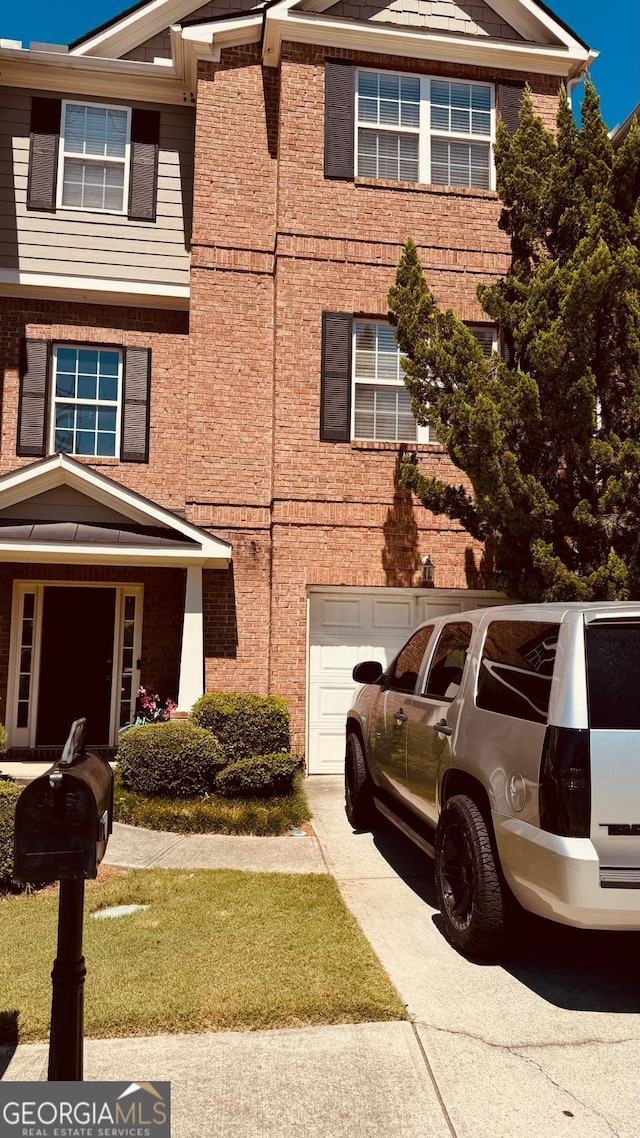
[[216, 950], [213, 815]]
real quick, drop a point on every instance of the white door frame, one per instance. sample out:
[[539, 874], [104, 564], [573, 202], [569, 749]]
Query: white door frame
[[26, 736]]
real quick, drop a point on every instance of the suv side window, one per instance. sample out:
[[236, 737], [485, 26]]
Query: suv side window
[[406, 667], [516, 669], [447, 666]]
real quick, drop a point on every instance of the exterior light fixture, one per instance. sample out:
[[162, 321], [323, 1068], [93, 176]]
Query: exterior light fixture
[[428, 572]]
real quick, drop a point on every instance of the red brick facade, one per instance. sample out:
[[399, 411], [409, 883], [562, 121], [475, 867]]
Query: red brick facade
[[235, 403], [267, 260]]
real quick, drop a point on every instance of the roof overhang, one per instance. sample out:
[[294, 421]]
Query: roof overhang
[[565, 57], [199, 548], [44, 70], [549, 49]]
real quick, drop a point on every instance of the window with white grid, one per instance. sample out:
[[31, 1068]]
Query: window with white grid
[[94, 152], [411, 128], [87, 383], [381, 408], [381, 402]]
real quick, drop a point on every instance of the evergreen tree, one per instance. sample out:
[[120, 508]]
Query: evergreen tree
[[547, 433]]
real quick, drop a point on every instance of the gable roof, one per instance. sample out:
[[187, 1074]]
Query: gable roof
[[532, 20], [59, 509]]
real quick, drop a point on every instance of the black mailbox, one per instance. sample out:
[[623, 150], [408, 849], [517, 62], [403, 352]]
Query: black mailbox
[[64, 817]]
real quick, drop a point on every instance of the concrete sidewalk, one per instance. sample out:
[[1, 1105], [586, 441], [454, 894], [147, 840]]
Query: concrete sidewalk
[[348, 1081], [145, 849]]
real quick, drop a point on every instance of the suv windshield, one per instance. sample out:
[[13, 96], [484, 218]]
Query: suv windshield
[[613, 667]]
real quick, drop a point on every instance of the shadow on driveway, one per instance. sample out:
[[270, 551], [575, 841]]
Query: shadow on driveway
[[576, 969]]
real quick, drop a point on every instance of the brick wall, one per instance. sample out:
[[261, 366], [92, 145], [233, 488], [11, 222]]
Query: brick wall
[[275, 244], [165, 333]]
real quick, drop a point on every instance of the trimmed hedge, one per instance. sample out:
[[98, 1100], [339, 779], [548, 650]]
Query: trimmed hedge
[[9, 794], [213, 814], [262, 777], [169, 760], [245, 725]]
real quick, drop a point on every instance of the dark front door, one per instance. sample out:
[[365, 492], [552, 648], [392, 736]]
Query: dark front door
[[76, 658]]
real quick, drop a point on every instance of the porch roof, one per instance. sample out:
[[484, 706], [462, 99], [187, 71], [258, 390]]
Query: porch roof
[[58, 509]]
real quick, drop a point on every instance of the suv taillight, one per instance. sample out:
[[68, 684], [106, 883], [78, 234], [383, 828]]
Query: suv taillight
[[565, 783]]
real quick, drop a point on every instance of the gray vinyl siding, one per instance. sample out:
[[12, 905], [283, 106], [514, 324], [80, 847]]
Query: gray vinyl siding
[[108, 246], [159, 46], [476, 19]]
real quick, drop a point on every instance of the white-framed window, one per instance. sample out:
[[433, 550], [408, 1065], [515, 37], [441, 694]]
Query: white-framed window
[[86, 401], [381, 404], [93, 171], [414, 128]]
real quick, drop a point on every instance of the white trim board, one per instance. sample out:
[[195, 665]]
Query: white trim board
[[94, 290]]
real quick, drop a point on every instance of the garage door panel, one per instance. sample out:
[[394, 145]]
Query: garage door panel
[[394, 614], [347, 628]]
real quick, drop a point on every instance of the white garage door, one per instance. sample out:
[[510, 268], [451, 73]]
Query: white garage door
[[349, 625]]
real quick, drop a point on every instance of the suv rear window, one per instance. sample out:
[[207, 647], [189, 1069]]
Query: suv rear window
[[613, 667], [516, 668]]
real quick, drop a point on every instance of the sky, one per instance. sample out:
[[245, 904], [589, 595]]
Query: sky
[[612, 28]]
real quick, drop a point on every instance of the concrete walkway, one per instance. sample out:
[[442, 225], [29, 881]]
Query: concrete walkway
[[143, 849]]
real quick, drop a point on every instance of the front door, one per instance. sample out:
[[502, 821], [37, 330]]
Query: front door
[[76, 663]]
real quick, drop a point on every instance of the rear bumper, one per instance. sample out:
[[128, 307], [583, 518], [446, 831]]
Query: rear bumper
[[560, 878]]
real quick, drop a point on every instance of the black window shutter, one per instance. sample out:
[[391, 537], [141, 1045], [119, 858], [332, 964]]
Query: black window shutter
[[339, 112], [509, 99], [143, 180], [335, 399], [135, 405], [32, 414], [43, 153]]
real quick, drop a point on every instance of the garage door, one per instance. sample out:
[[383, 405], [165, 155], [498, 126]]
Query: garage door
[[350, 625]]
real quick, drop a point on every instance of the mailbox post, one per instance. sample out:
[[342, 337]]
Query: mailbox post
[[63, 823]]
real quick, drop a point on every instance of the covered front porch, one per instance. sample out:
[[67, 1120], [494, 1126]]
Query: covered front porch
[[100, 592]]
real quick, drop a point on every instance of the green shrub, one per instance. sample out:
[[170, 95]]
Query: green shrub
[[214, 814], [245, 725], [3, 739], [262, 777], [169, 760], [9, 794]]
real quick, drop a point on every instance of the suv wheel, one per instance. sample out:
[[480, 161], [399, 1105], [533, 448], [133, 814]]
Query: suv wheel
[[358, 789], [467, 880]]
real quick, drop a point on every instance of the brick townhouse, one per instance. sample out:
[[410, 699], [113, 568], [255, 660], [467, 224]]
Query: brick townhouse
[[202, 406]]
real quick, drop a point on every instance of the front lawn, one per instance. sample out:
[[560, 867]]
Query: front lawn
[[216, 950], [213, 814]]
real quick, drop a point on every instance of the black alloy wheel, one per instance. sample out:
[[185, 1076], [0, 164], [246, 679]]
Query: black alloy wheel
[[468, 883], [358, 788]]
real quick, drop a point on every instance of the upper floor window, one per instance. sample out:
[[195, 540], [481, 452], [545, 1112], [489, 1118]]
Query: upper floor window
[[381, 402], [412, 128], [94, 157], [87, 386]]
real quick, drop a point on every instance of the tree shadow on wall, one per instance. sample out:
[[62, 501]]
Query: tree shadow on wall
[[401, 553], [479, 569]]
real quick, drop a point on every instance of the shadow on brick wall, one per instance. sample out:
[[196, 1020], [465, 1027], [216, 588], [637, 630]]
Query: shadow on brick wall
[[220, 614], [479, 570], [401, 553]]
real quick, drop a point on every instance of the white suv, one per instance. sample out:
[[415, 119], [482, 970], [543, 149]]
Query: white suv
[[506, 743]]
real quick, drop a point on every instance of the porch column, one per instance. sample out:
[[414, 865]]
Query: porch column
[[191, 683]]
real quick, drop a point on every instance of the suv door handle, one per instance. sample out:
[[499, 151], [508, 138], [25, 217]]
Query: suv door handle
[[443, 728], [400, 717]]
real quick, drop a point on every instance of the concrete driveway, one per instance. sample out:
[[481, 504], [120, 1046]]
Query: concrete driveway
[[545, 1044]]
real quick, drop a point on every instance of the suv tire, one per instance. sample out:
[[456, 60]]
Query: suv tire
[[468, 882], [358, 788]]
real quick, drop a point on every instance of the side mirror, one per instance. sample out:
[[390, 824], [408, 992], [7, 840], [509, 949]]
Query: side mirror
[[368, 672]]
